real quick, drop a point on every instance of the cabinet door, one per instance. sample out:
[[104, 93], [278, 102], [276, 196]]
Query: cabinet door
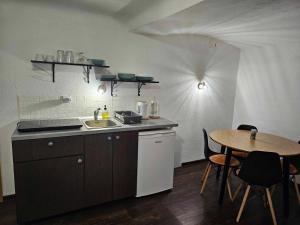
[[125, 146], [98, 169], [48, 187]]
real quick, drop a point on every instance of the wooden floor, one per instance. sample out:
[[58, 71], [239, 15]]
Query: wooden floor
[[183, 205]]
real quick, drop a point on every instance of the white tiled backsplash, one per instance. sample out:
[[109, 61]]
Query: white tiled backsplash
[[43, 107]]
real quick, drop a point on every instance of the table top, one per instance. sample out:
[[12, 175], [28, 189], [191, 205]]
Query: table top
[[240, 140]]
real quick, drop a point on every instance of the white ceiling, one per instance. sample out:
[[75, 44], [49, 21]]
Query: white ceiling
[[238, 22]]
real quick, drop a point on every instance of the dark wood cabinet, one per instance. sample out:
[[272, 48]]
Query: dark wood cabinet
[[58, 175], [125, 154], [98, 168], [48, 187]]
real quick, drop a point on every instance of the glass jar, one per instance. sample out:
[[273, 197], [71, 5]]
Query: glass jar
[[69, 57], [60, 56]]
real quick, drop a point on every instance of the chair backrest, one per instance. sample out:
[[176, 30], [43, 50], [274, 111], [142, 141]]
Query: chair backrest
[[261, 168], [207, 151], [246, 127]]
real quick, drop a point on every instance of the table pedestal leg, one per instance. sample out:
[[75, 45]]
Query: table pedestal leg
[[286, 205], [225, 174]]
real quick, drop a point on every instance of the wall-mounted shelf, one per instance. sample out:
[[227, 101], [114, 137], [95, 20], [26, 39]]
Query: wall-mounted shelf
[[113, 82], [84, 65]]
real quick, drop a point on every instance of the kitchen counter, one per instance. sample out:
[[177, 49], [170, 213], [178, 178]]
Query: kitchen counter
[[150, 124]]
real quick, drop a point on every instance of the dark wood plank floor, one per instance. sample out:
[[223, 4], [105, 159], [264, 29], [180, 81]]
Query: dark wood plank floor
[[183, 205]]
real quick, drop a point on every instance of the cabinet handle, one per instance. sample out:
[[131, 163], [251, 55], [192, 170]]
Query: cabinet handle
[[79, 161], [109, 138], [158, 142], [117, 137], [50, 143]]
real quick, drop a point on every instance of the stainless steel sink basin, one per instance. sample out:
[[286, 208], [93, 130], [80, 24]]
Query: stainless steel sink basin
[[100, 123]]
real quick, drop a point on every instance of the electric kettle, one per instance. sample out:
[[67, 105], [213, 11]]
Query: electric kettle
[[141, 108]]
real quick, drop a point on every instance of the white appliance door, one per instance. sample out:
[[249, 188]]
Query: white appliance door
[[155, 162]]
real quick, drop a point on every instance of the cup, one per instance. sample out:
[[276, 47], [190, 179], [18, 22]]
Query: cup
[[50, 58], [253, 133], [39, 57]]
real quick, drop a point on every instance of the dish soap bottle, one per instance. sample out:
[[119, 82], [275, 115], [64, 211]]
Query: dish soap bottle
[[105, 113]]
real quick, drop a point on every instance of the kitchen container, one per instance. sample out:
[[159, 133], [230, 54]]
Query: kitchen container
[[69, 57], [154, 109], [60, 56], [142, 109], [97, 62], [141, 78], [126, 76], [81, 58], [39, 57], [50, 58], [128, 117], [108, 77]]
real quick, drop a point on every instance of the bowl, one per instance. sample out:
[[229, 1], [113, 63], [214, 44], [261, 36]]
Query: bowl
[[141, 78], [126, 76], [108, 77], [97, 62]]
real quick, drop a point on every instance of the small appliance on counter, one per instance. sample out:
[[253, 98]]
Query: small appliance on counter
[[141, 108], [128, 117]]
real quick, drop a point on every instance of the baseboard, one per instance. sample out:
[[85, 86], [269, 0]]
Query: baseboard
[[193, 162]]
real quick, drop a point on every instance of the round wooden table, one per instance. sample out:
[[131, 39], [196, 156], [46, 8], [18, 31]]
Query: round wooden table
[[239, 140]]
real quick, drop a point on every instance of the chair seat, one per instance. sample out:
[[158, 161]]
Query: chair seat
[[293, 170], [239, 154], [219, 159]]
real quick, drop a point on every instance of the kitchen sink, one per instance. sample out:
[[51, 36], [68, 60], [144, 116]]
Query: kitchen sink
[[100, 123]]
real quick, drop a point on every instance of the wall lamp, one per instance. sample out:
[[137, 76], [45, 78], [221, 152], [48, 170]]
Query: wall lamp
[[201, 85], [102, 88]]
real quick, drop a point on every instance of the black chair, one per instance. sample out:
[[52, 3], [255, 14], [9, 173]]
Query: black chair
[[242, 155], [215, 159], [261, 169], [295, 170]]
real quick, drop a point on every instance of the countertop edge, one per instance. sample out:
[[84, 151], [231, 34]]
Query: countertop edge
[[164, 123]]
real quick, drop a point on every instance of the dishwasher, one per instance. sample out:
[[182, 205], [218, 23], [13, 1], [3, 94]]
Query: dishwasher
[[155, 161]]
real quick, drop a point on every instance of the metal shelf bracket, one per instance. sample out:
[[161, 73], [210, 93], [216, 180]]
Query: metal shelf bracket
[[140, 85]]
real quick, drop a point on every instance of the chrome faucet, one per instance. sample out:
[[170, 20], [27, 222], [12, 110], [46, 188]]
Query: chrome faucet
[[96, 114]]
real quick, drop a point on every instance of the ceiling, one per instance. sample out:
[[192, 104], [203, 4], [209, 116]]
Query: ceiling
[[132, 13], [239, 22]]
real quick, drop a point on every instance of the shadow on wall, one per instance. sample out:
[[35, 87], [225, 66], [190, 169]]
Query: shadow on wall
[[196, 58]]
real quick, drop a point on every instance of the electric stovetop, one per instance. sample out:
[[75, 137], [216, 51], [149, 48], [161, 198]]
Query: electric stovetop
[[46, 125]]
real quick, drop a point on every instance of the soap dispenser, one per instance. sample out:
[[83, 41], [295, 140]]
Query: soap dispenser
[[105, 113]]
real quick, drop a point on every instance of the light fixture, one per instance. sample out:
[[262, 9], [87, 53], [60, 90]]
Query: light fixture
[[201, 85], [102, 88]]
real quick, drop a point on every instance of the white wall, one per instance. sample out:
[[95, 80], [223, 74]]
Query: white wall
[[268, 90], [28, 29]]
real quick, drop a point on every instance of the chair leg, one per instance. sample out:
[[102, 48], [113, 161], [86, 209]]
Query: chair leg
[[271, 206], [237, 191], [205, 171], [228, 185], [273, 189], [297, 189], [243, 203], [205, 179]]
